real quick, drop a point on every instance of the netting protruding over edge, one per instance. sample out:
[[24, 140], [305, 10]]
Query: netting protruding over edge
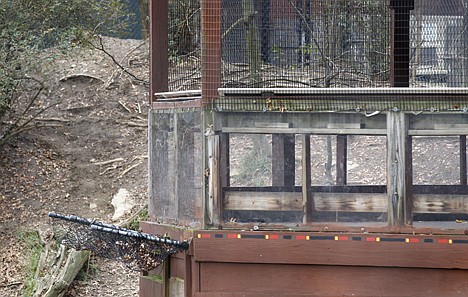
[[137, 250]]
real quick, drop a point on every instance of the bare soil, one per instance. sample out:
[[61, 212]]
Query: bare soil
[[100, 116]]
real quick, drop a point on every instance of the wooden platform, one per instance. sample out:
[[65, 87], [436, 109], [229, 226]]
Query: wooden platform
[[271, 263]]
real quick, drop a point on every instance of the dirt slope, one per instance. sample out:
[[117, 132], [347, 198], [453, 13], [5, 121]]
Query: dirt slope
[[100, 116]]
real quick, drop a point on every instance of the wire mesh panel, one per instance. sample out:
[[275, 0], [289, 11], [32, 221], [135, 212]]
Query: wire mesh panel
[[184, 45], [344, 43], [175, 166], [305, 43], [438, 43]]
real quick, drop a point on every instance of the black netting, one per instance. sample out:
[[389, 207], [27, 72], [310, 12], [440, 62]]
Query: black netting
[[138, 251]]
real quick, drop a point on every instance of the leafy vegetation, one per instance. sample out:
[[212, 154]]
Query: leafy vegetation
[[27, 28], [34, 247]]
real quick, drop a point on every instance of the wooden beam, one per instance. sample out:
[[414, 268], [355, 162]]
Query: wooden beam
[[341, 159], [333, 252], [307, 196], [224, 160], [463, 169], [409, 203], [441, 132], [214, 188], [318, 131], [159, 57], [396, 172], [346, 202], [293, 201], [286, 280], [283, 160]]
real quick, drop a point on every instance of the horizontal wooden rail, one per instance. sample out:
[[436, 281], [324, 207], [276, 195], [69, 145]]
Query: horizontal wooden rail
[[346, 202]]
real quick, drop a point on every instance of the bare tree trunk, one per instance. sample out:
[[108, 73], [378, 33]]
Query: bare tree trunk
[[417, 52], [144, 13], [252, 41]]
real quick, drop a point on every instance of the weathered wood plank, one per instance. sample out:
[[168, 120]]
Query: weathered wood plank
[[345, 126], [178, 94], [307, 196], [341, 159], [292, 201], [350, 202], [396, 174], [463, 173], [334, 252], [436, 203], [250, 280], [450, 126], [270, 201], [272, 125], [441, 132], [323, 131]]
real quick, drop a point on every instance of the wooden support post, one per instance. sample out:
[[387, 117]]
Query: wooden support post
[[224, 162], [283, 160], [211, 49], [341, 159], [409, 204], [214, 189], [159, 57], [398, 158], [307, 198], [463, 160], [188, 275]]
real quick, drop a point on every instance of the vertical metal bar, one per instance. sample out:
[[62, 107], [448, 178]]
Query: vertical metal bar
[[463, 173], [341, 159], [283, 160], [159, 58], [210, 49]]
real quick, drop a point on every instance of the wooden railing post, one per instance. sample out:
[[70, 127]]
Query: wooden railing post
[[399, 170]]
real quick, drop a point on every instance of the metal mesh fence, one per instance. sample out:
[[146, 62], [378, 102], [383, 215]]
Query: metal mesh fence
[[305, 43], [184, 45], [175, 166], [438, 43], [320, 43]]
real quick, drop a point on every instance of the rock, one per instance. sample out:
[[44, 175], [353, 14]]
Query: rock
[[123, 204]]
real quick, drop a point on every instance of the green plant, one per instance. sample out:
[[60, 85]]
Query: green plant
[[135, 222], [34, 248]]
